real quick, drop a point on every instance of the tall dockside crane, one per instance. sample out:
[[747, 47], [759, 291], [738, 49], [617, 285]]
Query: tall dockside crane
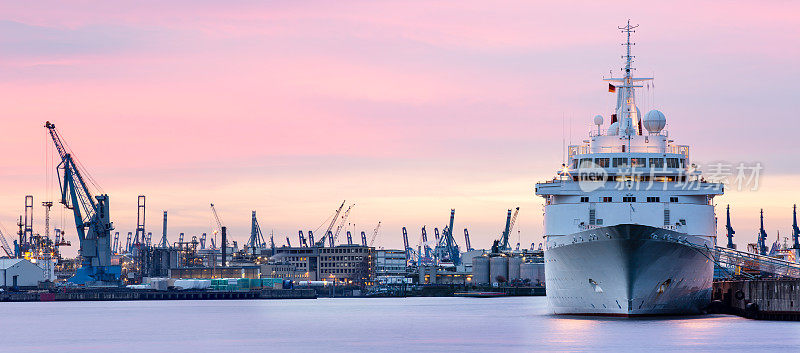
[[375, 233], [92, 220], [128, 242], [406, 248], [329, 231], [425, 243], [729, 229], [224, 239], [795, 230], [256, 236], [349, 238], [310, 238], [115, 244], [272, 243], [450, 242], [363, 238], [510, 220], [6, 248], [301, 239], [164, 242], [466, 239], [332, 240], [762, 237]]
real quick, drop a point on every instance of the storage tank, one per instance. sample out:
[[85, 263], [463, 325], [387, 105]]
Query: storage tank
[[533, 271], [513, 268], [480, 270], [498, 266]]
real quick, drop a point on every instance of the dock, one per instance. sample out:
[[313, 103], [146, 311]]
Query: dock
[[120, 294], [761, 299]]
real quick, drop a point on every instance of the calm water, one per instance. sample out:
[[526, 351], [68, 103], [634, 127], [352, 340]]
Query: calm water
[[358, 325]]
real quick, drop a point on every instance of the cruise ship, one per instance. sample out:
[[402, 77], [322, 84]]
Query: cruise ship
[[628, 216]]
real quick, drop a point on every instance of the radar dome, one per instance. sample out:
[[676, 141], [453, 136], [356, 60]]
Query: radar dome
[[598, 120], [613, 129], [654, 121]]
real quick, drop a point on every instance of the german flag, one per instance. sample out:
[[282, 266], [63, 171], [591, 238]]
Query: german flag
[[612, 88]]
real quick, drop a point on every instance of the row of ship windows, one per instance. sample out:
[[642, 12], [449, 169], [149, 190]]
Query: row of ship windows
[[629, 199], [625, 162]]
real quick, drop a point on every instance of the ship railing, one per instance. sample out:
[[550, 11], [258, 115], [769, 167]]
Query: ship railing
[[750, 260], [589, 226], [679, 149]]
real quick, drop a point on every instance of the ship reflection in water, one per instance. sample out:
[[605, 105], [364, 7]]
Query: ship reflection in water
[[352, 325]]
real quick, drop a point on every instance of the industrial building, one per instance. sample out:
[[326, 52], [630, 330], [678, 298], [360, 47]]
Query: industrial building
[[345, 263], [20, 273]]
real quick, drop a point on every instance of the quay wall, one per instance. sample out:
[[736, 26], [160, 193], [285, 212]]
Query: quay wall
[[766, 299]]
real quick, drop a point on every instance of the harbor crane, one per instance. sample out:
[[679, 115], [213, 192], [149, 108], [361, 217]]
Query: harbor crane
[[6, 248], [466, 239], [203, 241], [164, 243], [256, 236], [328, 232], [363, 238], [729, 229], [346, 215], [92, 219], [115, 244], [795, 230], [374, 234], [302, 239], [224, 238], [450, 242], [762, 237], [504, 243], [427, 248], [349, 238], [406, 248], [128, 243]]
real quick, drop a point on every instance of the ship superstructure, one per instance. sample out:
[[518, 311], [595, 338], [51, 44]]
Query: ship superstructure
[[619, 213]]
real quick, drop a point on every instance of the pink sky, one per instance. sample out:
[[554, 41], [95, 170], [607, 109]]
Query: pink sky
[[405, 108]]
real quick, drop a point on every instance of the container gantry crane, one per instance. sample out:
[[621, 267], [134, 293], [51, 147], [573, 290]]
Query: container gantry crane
[[363, 238], [92, 219]]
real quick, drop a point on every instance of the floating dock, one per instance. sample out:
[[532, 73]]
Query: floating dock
[[762, 299]]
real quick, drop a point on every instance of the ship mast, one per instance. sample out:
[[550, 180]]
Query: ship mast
[[630, 105], [626, 99]]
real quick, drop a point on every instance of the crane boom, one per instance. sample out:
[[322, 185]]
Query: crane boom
[[6, 248], [328, 231], [375, 233], [341, 225]]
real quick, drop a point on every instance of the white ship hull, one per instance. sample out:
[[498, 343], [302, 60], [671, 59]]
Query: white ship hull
[[628, 270]]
